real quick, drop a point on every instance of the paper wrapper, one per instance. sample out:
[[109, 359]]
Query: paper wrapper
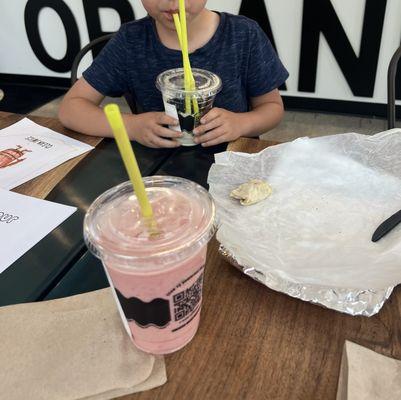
[[366, 375], [73, 348], [311, 238]]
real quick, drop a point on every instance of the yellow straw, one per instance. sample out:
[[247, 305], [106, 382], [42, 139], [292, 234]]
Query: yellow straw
[[177, 24], [184, 48], [188, 75], [113, 115], [185, 60]]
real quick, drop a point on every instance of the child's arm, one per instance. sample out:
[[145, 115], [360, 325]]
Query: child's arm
[[81, 112], [220, 125]]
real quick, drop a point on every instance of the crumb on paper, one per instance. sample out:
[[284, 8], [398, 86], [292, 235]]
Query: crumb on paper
[[252, 192]]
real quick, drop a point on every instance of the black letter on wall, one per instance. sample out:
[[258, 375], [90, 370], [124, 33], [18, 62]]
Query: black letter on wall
[[32, 10], [256, 9], [360, 72], [123, 7], [398, 82]]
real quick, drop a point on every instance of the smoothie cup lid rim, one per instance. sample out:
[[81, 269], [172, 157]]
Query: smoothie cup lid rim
[[201, 238], [215, 88]]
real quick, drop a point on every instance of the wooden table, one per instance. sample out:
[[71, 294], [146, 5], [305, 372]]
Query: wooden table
[[254, 343]]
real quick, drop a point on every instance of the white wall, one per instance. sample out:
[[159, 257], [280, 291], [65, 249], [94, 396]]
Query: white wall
[[17, 57]]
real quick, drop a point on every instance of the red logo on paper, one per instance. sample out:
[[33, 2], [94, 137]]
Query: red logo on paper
[[11, 157]]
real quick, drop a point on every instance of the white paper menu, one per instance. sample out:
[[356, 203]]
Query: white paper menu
[[24, 221], [28, 150]]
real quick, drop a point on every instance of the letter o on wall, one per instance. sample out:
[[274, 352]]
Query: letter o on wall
[[32, 11]]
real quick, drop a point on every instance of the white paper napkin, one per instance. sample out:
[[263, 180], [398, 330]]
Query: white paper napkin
[[367, 375], [72, 349]]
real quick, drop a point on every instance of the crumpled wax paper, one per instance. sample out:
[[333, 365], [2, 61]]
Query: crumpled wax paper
[[329, 195]]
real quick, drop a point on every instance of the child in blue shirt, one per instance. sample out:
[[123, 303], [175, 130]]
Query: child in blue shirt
[[233, 47]]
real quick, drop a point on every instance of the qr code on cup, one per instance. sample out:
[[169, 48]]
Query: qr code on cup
[[186, 302]]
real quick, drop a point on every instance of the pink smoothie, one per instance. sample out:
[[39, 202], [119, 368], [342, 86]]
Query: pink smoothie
[[157, 277]]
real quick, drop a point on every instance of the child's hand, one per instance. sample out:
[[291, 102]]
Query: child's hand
[[218, 126], [148, 129]]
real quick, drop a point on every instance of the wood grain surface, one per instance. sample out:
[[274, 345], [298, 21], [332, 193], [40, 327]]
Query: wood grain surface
[[41, 186], [254, 343]]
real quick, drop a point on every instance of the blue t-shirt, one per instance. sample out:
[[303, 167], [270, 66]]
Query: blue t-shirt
[[239, 52]]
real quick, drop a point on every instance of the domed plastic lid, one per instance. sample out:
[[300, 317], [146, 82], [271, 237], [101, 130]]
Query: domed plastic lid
[[184, 216], [207, 83]]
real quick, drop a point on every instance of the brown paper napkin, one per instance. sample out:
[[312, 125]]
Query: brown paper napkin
[[367, 375], [73, 348]]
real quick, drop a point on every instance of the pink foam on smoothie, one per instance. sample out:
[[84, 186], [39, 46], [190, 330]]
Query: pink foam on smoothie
[[179, 220]]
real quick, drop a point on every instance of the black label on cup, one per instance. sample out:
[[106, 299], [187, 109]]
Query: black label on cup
[[156, 312], [187, 122]]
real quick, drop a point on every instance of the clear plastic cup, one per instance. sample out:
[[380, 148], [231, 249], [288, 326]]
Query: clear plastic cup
[[176, 98], [157, 277]]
